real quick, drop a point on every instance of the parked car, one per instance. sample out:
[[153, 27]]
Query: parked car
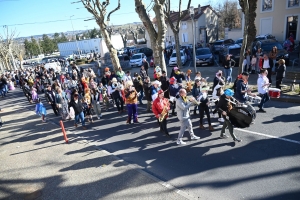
[[239, 41], [120, 51], [184, 46], [267, 46], [173, 58], [204, 57], [147, 51], [262, 37], [137, 59], [218, 45], [82, 56], [233, 50]]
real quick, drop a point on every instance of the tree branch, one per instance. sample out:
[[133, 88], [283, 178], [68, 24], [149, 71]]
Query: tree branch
[[114, 10]]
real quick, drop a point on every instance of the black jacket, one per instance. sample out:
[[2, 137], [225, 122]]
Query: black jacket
[[146, 65], [223, 104], [280, 71], [50, 96], [138, 84], [228, 63], [270, 62], [146, 87], [76, 106]]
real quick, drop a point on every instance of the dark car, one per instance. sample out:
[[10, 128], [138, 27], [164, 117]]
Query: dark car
[[267, 46], [204, 56], [239, 41], [147, 51], [233, 50], [218, 45]]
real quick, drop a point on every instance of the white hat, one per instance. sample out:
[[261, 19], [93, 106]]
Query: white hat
[[114, 80], [156, 82]]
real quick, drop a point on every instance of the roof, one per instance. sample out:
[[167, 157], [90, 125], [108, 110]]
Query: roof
[[174, 15]]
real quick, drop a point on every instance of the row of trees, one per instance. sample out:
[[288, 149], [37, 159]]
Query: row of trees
[[157, 29]]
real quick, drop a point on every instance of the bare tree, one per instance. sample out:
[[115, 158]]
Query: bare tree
[[123, 32], [18, 51], [6, 49], [157, 36], [134, 33], [249, 10], [99, 11], [176, 26]]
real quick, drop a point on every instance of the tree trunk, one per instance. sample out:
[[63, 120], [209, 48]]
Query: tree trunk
[[112, 51], [176, 36], [245, 36], [157, 38]]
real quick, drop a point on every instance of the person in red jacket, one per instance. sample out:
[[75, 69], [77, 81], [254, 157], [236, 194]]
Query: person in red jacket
[[159, 105]]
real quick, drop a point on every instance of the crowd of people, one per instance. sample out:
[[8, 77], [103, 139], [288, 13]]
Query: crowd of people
[[80, 94]]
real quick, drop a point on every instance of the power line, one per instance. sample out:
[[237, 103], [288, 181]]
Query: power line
[[61, 20]]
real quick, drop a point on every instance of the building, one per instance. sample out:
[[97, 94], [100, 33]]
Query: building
[[279, 18], [96, 45], [206, 26]]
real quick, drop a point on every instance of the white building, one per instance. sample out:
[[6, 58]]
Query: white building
[[96, 45]]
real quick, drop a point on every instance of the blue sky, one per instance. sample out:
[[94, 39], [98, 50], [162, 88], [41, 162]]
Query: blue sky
[[41, 12]]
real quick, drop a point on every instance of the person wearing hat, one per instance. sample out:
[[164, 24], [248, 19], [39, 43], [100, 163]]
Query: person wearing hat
[[159, 105], [143, 73], [165, 84], [188, 75], [178, 75], [224, 107], [174, 91], [242, 90], [183, 105], [131, 102], [154, 89], [204, 102], [76, 104], [115, 93]]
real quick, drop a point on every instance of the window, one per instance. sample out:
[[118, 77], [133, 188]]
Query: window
[[184, 37], [267, 5], [293, 3], [184, 25]]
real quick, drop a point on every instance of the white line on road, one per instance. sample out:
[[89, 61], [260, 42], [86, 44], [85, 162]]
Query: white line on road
[[270, 136]]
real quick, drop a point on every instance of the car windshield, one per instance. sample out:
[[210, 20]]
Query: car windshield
[[269, 47], [239, 41], [234, 51], [136, 57], [202, 52]]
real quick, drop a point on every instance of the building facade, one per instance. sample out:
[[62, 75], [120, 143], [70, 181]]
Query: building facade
[[279, 18], [206, 27]]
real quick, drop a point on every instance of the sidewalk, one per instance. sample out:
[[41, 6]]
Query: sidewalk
[[36, 163]]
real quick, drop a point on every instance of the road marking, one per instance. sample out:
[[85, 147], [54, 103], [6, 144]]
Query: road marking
[[270, 136]]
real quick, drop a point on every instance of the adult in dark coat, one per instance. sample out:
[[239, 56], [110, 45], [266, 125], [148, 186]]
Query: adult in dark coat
[[165, 84], [280, 73], [147, 86], [50, 97], [146, 65], [78, 109]]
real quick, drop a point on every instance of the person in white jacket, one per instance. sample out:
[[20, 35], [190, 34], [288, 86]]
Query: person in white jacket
[[183, 113], [263, 89]]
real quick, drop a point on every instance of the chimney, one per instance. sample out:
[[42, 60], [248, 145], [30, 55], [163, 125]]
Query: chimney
[[199, 9]]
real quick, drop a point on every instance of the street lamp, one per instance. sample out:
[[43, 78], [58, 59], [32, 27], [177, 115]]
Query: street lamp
[[192, 12], [75, 35]]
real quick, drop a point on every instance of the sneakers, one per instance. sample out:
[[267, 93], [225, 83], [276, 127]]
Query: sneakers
[[221, 120], [194, 137], [237, 140], [75, 125], [261, 110], [180, 142], [223, 136], [201, 126]]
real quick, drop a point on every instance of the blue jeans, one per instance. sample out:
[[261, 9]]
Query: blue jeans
[[227, 73], [81, 117], [274, 63], [264, 99], [141, 96]]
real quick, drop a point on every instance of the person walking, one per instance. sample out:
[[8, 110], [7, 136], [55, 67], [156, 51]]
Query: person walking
[[183, 113], [50, 97], [77, 106], [263, 89], [280, 73]]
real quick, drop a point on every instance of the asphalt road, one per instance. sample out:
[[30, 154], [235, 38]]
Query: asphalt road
[[266, 165]]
